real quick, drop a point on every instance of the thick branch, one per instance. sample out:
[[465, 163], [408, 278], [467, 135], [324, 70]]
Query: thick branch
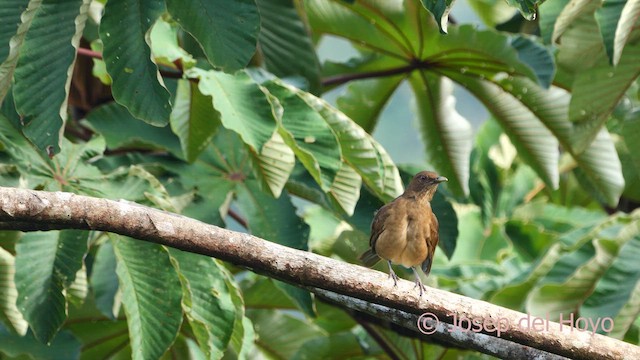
[[297, 267]]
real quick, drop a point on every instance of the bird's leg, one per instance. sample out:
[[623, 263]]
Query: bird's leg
[[392, 274], [419, 283]]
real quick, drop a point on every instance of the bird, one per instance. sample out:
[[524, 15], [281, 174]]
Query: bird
[[405, 231]]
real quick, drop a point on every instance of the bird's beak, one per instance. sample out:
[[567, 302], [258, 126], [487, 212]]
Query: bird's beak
[[440, 179]]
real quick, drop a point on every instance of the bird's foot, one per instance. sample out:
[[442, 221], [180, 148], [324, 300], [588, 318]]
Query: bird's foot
[[393, 275], [419, 283], [420, 286]]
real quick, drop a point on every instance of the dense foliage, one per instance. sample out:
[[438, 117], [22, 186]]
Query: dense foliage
[[214, 110]]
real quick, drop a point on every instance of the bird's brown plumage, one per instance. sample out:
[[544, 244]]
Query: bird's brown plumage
[[405, 231]]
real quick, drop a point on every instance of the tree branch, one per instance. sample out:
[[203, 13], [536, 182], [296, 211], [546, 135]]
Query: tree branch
[[305, 269]]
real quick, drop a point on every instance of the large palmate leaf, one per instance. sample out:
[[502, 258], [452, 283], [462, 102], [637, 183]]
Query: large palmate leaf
[[151, 295], [136, 83], [447, 135], [46, 265], [523, 124], [43, 72], [362, 23], [227, 30], [466, 55], [285, 43], [364, 100]]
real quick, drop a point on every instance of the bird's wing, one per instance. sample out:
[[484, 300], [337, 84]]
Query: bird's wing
[[432, 242], [377, 226]]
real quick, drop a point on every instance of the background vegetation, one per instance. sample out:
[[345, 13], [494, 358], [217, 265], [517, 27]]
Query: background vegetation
[[214, 110]]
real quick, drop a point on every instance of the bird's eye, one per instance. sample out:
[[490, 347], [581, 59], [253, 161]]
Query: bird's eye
[[423, 177]]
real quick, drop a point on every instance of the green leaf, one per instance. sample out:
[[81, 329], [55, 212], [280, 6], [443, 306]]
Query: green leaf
[[9, 23], [447, 135], [567, 17], [120, 129], [487, 54], [216, 173], [597, 91], [20, 14], [242, 105], [9, 313], [514, 103], [193, 119], [285, 43], [137, 85], [363, 100], [274, 164], [526, 7], [608, 16], [600, 170], [104, 281], [47, 57], [243, 337], [280, 334], [150, 294], [46, 265], [440, 10], [361, 152], [629, 151], [575, 275], [308, 135], [165, 45], [537, 57], [614, 291], [63, 346], [226, 30], [628, 19], [549, 11], [206, 301], [344, 345], [374, 28]]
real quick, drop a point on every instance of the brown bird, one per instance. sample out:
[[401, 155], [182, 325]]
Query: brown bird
[[405, 231]]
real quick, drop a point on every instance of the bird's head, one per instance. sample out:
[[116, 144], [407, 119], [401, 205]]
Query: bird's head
[[425, 183]]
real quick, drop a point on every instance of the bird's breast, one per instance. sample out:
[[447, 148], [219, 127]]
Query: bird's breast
[[404, 239]]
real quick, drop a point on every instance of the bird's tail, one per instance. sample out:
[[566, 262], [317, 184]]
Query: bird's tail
[[369, 258]]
